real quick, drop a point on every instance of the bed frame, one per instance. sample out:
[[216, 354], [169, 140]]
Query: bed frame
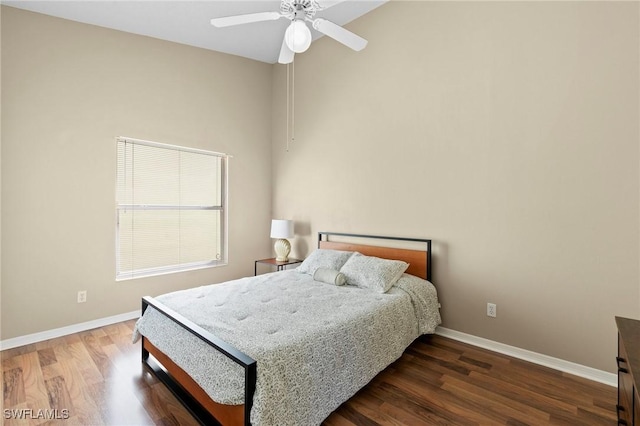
[[194, 398]]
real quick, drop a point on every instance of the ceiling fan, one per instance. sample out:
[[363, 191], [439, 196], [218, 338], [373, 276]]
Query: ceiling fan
[[297, 37]]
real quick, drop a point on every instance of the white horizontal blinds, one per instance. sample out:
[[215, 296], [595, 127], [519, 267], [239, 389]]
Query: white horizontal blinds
[[170, 208]]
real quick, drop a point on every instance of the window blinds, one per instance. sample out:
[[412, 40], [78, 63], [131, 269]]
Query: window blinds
[[170, 208]]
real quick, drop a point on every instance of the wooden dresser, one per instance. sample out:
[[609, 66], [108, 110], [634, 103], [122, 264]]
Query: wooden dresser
[[628, 371]]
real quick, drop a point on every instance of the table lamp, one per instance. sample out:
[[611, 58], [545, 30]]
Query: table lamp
[[282, 229]]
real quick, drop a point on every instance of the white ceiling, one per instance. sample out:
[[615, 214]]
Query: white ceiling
[[188, 22]]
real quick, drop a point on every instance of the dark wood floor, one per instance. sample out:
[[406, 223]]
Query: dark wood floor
[[97, 376]]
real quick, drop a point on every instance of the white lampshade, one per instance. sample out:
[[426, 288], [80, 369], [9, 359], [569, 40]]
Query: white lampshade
[[281, 228], [298, 37]]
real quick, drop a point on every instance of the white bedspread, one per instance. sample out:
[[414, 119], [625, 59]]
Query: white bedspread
[[315, 344]]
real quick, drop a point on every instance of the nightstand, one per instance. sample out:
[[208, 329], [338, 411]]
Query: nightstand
[[280, 266]]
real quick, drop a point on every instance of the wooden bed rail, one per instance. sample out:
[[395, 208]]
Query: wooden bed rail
[[240, 358]]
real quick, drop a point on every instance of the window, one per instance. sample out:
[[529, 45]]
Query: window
[[170, 208]]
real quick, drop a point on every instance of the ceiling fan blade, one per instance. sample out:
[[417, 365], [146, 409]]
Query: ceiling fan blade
[[286, 54], [339, 34], [228, 21]]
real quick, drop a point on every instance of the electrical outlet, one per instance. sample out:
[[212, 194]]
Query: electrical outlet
[[82, 296], [492, 310]]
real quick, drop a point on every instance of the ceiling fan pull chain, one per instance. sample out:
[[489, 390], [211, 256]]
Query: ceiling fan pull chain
[[287, 136], [293, 101]]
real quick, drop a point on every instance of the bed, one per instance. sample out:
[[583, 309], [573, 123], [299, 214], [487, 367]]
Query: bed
[[284, 348]]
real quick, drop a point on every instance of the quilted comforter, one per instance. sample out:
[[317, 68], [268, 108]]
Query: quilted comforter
[[315, 344]]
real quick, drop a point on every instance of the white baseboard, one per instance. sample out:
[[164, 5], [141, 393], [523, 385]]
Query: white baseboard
[[610, 379], [64, 331]]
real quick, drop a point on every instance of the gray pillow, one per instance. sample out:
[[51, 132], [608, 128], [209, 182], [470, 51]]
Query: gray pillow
[[323, 258], [329, 276], [373, 272]]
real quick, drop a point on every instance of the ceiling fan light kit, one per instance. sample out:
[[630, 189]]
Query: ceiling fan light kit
[[297, 37]]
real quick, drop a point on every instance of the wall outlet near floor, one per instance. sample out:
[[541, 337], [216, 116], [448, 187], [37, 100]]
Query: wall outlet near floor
[[82, 296], [492, 310]]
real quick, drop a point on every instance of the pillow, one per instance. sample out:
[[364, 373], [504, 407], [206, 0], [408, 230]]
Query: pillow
[[372, 272], [329, 276], [324, 258]]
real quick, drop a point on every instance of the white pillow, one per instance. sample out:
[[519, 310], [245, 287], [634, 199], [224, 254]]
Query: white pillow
[[323, 258], [373, 272], [329, 276]]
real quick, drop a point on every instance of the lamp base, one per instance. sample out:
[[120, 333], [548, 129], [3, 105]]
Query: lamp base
[[282, 248]]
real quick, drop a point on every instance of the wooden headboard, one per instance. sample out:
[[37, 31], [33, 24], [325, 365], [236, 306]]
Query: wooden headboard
[[419, 260]]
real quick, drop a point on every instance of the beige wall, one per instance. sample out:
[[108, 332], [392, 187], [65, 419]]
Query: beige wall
[[508, 133], [68, 90]]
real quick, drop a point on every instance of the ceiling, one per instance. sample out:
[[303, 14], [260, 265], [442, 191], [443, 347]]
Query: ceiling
[[188, 22]]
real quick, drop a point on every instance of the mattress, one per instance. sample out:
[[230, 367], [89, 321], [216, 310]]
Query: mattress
[[315, 344]]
